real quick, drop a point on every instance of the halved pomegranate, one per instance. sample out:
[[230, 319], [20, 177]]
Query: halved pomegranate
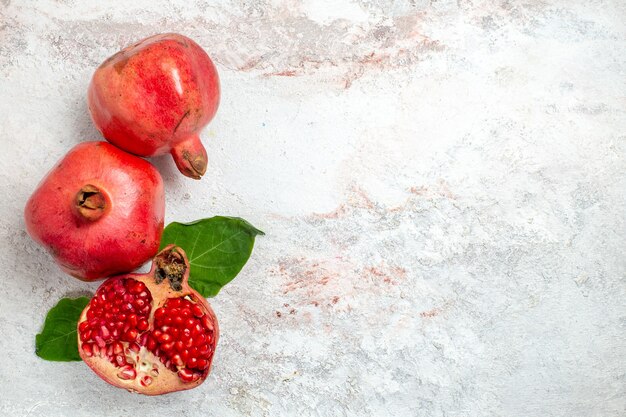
[[150, 333]]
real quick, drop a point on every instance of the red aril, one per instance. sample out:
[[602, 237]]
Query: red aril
[[154, 97], [99, 211], [150, 333]]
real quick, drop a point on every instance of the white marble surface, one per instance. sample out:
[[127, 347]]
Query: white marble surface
[[442, 184]]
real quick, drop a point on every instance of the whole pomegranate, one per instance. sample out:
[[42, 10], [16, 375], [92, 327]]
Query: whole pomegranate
[[99, 211], [154, 97], [150, 333]]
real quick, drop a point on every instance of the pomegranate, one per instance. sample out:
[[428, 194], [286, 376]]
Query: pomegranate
[[99, 212], [154, 97], [150, 333]]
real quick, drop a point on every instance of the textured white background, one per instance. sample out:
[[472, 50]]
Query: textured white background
[[442, 184]]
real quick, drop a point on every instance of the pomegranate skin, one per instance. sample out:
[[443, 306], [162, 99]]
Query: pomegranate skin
[[98, 212], [141, 363], [154, 97]]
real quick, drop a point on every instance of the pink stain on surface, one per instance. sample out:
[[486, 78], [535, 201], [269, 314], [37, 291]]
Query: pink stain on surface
[[343, 51], [358, 199], [388, 274], [436, 311], [332, 283]]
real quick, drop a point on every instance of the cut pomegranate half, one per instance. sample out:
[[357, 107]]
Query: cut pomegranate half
[[150, 333]]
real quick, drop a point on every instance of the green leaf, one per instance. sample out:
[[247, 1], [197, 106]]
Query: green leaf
[[217, 249], [58, 340]]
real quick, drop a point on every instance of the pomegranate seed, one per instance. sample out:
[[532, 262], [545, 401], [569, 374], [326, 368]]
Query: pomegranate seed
[[143, 325], [167, 346], [167, 321], [120, 360], [186, 333], [157, 333], [150, 343], [134, 347], [187, 375], [185, 313], [143, 294], [96, 350], [137, 287], [143, 339], [206, 320], [115, 333], [188, 342], [90, 314], [178, 321], [87, 349], [99, 341], [128, 307], [198, 329], [139, 303], [109, 351], [165, 338], [146, 310], [117, 348], [159, 313], [174, 302], [177, 360], [192, 363], [121, 317], [130, 335], [174, 332], [127, 372], [83, 326], [184, 354], [197, 311], [85, 336], [104, 332], [146, 380], [119, 324], [202, 364], [193, 352], [199, 339], [178, 345], [204, 349], [132, 319], [190, 323]]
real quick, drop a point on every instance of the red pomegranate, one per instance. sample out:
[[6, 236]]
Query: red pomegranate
[[150, 333], [99, 211], [154, 97]]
